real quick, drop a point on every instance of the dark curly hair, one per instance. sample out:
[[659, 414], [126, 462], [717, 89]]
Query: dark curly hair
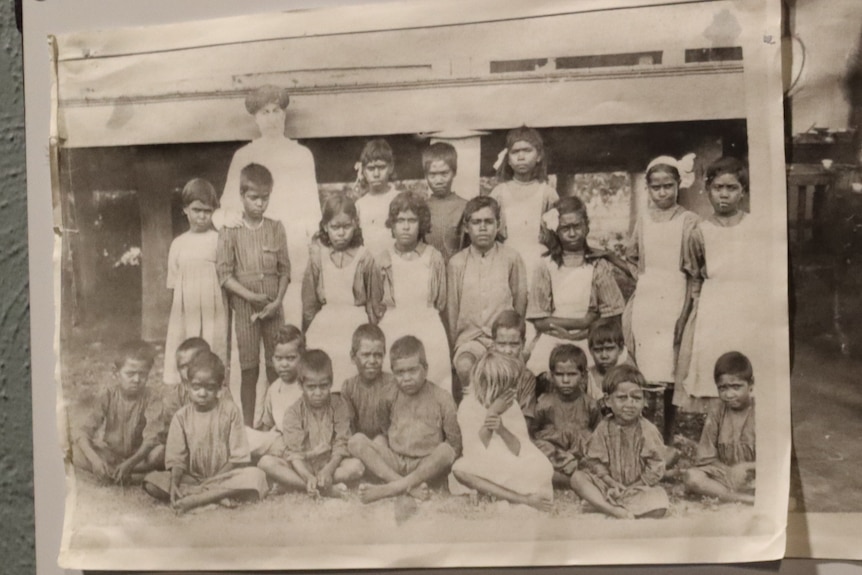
[[567, 205], [728, 165], [334, 205], [410, 201]]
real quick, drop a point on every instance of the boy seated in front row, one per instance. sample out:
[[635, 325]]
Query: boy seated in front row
[[726, 453], [266, 437], [508, 332], [315, 432], [566, 415], [254, 269], [369, 394], [130, 417], [175, 397], [207, 455], [423, 438], [483, 280], [625, 457], [608, 349]]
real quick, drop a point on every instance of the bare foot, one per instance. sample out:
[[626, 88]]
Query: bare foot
[[228, 503], [540, 502], [420, 492], [372, 493], [337, 491], [621, 513]]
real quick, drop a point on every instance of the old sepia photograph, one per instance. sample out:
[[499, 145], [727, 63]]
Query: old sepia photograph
[[426, 284]]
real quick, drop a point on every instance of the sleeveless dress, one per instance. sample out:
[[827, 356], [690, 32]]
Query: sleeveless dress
[[658, 299], [332, 327], [198, 307], [571, 289], [727, 312], [413, 314]]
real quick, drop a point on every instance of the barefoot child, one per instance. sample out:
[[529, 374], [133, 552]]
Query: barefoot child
[[254, 269], [336, 286], [316, 430], [484, 279], [423, 439], [281, 393], [508, 332], [377, 165], [412, 285], [198, 308], [130, 417], [499, 459], [726, 452], [573, 286], [440, 161], [566, 415], [624, 459], [207, 456], [369, 394]]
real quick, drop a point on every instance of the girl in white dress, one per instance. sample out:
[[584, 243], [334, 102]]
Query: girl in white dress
[[719, 255], [198, 308], [336, 286], [376, 167], [573, 286], [656, 249], [499, 459], [412, 289]]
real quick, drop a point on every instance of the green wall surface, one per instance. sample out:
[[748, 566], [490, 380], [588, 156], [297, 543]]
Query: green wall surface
[[17, 553]]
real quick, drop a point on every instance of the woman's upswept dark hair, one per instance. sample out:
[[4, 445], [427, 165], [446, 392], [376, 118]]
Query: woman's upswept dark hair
[[566, 205], [415, 203], [334, 205]]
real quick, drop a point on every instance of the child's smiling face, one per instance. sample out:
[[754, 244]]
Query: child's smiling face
[[255, 200], [734, 391], [405, 230], [568, 377], [439, 177], [409, 373], [377, 174], [508, 341], [316, 388], [572, 231], [482, 228], [204, 389], [627, 402], [368, 359], [270, 120], [200, 216], [132, 376], [726, 194], [523, 159], [340, 230], [662, 188], [285, 360], [605, 355]]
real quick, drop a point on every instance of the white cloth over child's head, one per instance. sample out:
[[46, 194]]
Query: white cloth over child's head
[[684, 165]]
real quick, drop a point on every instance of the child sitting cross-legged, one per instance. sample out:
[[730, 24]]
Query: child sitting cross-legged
[[499, 459], [565, 415], [423, 438], [207, 453], [369, 393], [726, 453], [129, 416], [624, 459], [315, 431]]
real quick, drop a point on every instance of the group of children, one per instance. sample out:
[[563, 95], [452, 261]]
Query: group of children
[[478, 298]]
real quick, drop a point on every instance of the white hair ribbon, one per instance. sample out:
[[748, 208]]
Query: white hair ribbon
[[685, 167], [500, 158]]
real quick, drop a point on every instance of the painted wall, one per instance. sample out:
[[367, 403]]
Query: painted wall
[[16, 452]]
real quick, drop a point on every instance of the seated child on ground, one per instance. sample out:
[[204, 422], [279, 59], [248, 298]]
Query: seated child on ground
[[423, 438], [624, 459], [726, 452], [608, 349], [316, 429], [508, 332], [281, 393], [565, 415], [499, 459], [369, 394], [129, 414], [207, 454]]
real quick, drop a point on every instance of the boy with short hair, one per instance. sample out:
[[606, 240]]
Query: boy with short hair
[[566, 415], [130, 416], [175, 397], [440, 162], [423, 438], [254, 268], [484, 279], [315, 431], [508, 332], [608, 349], [369, 394], [206, 456], [726, 453]]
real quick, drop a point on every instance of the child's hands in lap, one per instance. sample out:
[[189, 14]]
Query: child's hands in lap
[[122, 472]]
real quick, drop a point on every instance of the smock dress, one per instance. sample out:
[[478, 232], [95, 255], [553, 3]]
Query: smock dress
[[527, 473], [198, 307], [660, 293], [334, 304], [413, 293]]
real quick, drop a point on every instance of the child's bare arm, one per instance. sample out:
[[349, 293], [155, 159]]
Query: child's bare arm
[[176, 480], [692, 290], [305, 473], [100, 466], [548, 324], [124, 469], [512, 442]]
